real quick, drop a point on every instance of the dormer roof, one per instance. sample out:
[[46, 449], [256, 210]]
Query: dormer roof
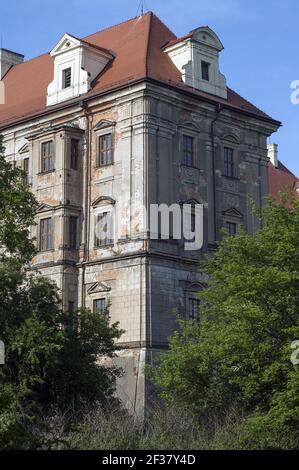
[[138, 55]]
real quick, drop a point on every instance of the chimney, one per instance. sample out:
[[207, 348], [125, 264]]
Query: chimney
[[7, 60], [273, 154]]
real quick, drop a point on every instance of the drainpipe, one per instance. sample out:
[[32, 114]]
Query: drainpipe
[[85, 169], [260, 188], [219, 108]]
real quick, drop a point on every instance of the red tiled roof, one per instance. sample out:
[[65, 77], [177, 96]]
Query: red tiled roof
[[137, 46], [281, 179]]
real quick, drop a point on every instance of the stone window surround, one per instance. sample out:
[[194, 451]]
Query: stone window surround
[[191, 291], [231, 218], [44, 140], [105, 204], [42, 216], [231, 142], [104, 130], [189, 130]]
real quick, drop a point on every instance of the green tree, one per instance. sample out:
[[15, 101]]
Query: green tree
[[50, 357], [238, 356]]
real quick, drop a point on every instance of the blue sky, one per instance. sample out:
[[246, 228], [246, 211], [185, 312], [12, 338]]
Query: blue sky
[[260, 60]]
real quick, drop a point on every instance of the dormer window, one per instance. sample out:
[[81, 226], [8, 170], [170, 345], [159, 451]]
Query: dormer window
[[76, 64], [67, 78], [197, 58], [205, 71]]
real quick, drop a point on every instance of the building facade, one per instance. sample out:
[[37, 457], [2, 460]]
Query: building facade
[[106, 127]]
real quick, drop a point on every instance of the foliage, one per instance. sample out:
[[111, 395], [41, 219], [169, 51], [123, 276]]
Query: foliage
[[238, 355], [50, 357]]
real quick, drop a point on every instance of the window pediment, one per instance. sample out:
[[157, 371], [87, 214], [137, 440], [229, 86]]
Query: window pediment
[[24, 149], [104, 124], [45, 208], [104, 201], [232, 212], [99, 287]]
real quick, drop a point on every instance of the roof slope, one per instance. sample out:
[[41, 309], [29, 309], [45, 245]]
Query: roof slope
[[137, 46], [281, 179]]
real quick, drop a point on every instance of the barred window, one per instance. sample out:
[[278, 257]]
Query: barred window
[[47, 163], [46, 234], [105, 156]]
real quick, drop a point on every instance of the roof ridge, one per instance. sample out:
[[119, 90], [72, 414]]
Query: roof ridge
[[84, 38], [162, 22], [148, 42], [116, 25], [30, 60]]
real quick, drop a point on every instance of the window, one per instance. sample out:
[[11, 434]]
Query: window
[[105, 150], [46, 242], [188, 150], [47, 163], [99, 306], [193, 308], [26, 170], [104, 229], [228, 162], [205, 71], [231, 228], [74, 154], [73, 233], [67, 78]]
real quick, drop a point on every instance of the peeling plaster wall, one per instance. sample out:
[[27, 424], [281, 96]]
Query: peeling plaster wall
[[144, 281]]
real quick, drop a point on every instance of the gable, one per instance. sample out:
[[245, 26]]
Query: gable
[[99, 287], [232, 212]]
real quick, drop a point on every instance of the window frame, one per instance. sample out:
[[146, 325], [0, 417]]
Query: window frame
[[26, 170], [193, 300], [74, 159], [48, 235], [205, 67], [228, 224], [228, 165], [73, 232], [50, 158], [101, 161], [191, 152], [107, 241], [101, 310]]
